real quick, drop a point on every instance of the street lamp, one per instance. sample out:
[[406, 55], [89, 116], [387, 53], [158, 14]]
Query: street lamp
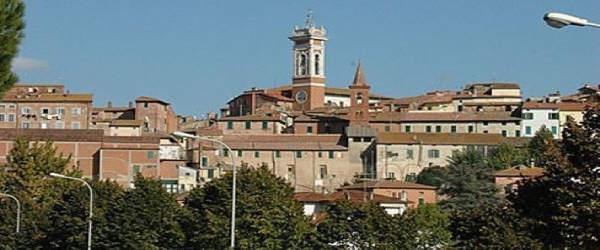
[[18, 209], [559, 20], [186, 135], [89, 239]]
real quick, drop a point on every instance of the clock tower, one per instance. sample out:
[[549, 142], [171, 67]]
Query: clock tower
[[308, 77]]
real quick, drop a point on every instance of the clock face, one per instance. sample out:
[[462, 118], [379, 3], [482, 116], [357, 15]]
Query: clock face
[[301, 96]]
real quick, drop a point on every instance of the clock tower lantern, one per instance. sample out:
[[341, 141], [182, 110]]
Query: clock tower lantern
[[308, 77]]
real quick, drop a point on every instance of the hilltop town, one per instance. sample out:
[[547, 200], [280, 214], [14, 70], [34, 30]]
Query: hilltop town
[[315, 137]]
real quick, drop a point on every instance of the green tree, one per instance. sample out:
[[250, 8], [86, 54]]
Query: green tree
[[11, 32], [432, 176], [424, 227], [357, 226], [539, 144], [24, 176], [267, 216], [505, 156], [468, 182], [564, 203]]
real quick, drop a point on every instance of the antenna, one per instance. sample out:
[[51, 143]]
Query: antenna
[[309, 19]]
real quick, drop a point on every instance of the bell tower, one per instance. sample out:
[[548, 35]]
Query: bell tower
[[308, 78], [359, 99]]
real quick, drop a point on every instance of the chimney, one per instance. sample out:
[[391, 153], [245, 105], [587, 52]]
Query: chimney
[[109, 105], [130, 104]]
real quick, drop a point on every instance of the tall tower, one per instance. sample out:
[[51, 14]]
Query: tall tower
[[359, 98], [308, 79]]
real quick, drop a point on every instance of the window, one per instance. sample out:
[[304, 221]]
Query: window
[[45, 111], [433, 153], [44, 125], [309, 130], [75, 125], [11, 117], [136, 169], [471, 129], [12, 106], [60, 111], [26, 111], [229, 124], [210, 173], [407, 129], [504, 133], [145, 104], [149, 154], [517, 133], [256, 154], [2, 106], [226, 152], [240, 153], [554, 130], [278, 154], [322, 171], [204, 161], [2, 118], [409, 154], [428, 129], [403, 195], [248, 125], [387, 128], [331, 154], [76, 111], [460, 108], [356, 139], [527, 116], [367, 139], [518, 123], [320, 154], [265, 125], [421, 198], [528, 130], [59, 125], [25, 125], [438, 129], [485, 123], [503, 123], [552, 116], [298, 154], [452, 129], [391, 175], [171, 186]]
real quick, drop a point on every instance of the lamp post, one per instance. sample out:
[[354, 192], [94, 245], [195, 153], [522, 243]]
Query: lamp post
[[89, 239], [559, 20], [233, 183], [18, 209]]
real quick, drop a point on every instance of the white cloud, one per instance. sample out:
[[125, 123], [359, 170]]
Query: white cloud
[[28, 64]]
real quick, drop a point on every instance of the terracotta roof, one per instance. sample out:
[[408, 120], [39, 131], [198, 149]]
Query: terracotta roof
[[447, 138], [287, 142], [114, 109], [359, 197], [254, 117], [149, 99], [540, 105], [47, 97], [505, 86], [520, 171], [83, 135], [209, 132], [572, 106], [309, 197], [38, 85], [444, 116], [490, 103], [433, 97], [127, 123], [385, 184]]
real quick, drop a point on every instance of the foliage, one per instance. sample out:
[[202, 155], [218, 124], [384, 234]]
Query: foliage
[[432, 176], [539, 144], [358, 226], [11, 32], [424, 227], [564, 202], [267, 216], [505, 156], [468, 182], [490, 226]]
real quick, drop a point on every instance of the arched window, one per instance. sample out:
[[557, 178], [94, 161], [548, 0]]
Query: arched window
[[317, 64], [302, 65], [359, 98], [360, 115]]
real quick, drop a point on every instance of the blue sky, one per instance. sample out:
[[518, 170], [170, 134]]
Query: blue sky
[[199, 54]]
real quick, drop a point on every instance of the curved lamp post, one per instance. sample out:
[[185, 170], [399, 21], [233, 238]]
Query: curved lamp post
[[559, 20], [18, 209], [89, 239], [186, 135]]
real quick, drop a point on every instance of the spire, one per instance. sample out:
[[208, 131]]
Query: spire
[[359, 76], [309, 19]]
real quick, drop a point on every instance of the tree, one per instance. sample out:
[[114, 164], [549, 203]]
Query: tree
[[425, 227], [432, 176], [11, 32], [564, 203], [539, 144], [357, 226], [267, 216], [468, 182], [505, 156]]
